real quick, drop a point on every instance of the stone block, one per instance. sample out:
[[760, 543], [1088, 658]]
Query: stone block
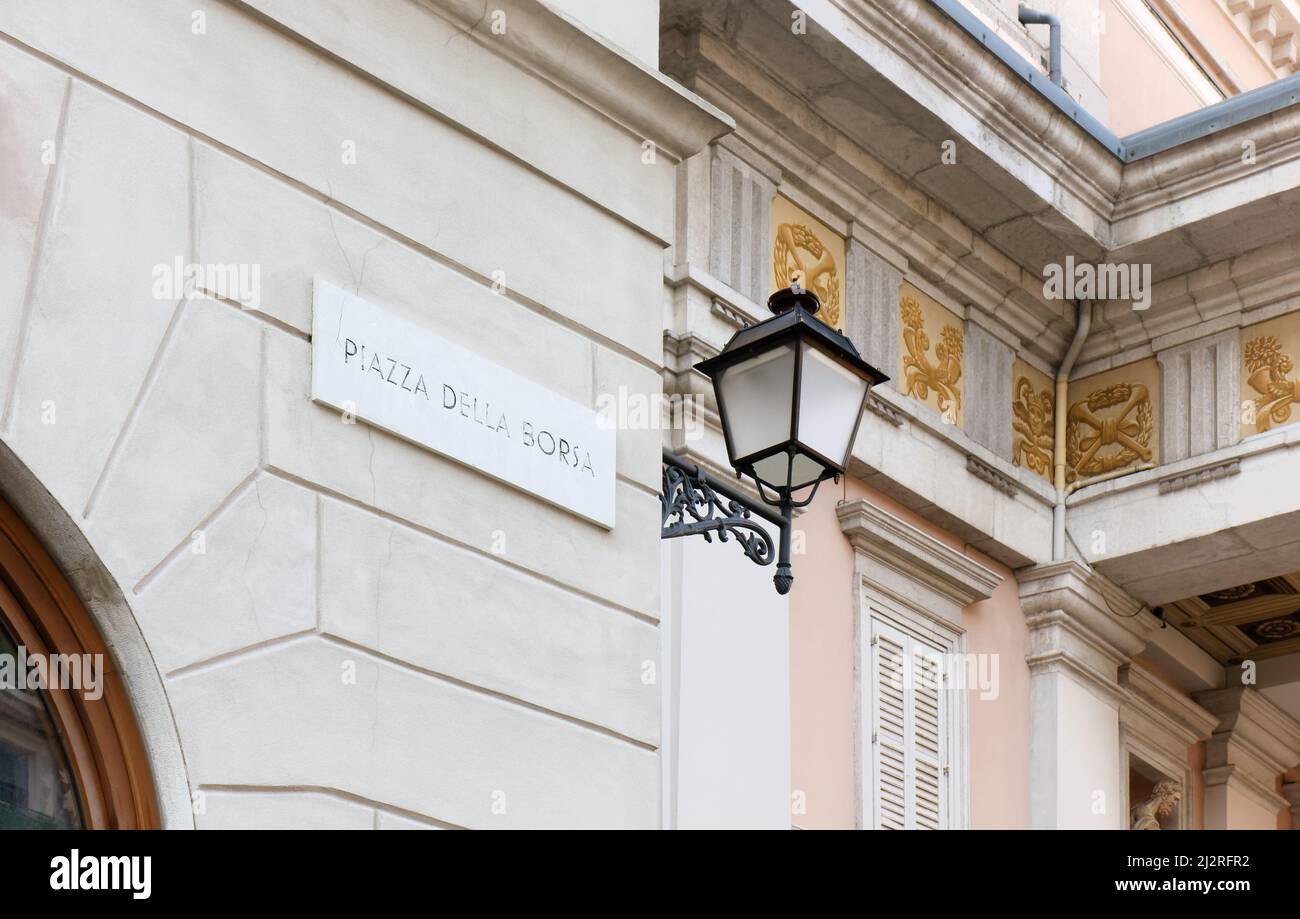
[[119, 211], [254, 579], [194, 439], [451, 611], [311, 713]]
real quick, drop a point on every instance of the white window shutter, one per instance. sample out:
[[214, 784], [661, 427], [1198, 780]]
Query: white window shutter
[[889, 727], [908, 732]]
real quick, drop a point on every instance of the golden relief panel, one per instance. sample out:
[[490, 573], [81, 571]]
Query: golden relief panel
[[1111, 424], [1270, 386], [1033, 419], [804, 248], [932, 376]]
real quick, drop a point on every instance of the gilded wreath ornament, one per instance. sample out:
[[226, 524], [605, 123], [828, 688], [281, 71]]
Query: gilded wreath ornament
[[1032, 422], [816, 272], [920, 375], [1108, 430], [1269, 370]]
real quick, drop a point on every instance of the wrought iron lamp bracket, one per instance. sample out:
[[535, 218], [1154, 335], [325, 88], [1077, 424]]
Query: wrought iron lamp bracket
[[693, 503]]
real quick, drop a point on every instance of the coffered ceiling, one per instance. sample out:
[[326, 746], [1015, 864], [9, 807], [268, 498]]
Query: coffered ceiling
[[1252, 621]]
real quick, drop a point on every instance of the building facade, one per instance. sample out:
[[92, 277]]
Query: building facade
[[344, 340]]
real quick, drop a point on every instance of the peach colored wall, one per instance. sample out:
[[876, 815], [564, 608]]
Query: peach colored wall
[[1140, 86], [823, 707], [1214, 28]]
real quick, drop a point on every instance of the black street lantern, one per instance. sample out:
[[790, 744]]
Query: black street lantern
[[790, 392]]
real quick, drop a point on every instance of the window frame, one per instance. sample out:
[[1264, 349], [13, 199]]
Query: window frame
[[103, 744]]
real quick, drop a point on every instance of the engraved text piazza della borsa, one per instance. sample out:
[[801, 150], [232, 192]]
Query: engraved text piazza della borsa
[[468, 406]]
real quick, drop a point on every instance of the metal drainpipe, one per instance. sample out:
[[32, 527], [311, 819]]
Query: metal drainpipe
[[1084, 310], [1052, 21]]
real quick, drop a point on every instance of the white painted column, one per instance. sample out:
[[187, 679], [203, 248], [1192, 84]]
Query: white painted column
[[1079, 637], [726, 705]]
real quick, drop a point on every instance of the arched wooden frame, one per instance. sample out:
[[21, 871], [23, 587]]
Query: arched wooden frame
[[104, 745]]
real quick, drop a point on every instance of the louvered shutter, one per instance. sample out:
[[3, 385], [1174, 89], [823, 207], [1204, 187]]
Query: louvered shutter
[[908, 755]]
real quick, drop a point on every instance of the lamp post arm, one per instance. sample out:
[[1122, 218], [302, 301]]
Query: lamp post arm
[[693, 502]]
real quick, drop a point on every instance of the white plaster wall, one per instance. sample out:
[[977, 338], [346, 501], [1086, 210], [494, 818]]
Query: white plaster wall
[[731, 682], [372, 635]]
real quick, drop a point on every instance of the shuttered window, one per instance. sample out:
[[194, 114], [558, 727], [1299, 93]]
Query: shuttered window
[[909, 768]]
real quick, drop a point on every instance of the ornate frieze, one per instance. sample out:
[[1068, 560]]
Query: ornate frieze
[[1111, 423], [1269, 377], [1199, 476], [1033, 424], [983, 471], [1270, 382], [804, 248], [931, 371]]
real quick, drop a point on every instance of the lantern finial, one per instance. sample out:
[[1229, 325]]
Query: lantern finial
[[792, 296]]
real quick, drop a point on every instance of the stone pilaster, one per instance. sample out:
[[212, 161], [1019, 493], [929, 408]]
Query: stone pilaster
[[988, 389], [1200, 388], [871, 286], [1082, 630], [1253, 744], [740, 225]]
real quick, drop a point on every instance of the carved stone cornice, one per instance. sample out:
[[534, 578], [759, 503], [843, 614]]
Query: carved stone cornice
[[986, 473], [1161, 714], [1080, 621], [1253, 744], [637, 95], [914, 553], [1199, 476], [878, 406]]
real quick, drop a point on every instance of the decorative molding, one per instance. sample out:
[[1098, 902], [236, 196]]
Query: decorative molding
[[1270, 368], [1152, 702], [1117, 416], [878, 406], [729, 314], [1079, 620], [1268, 27], [1253, 744], [987, 473], [919, 375], [799, 252], [915, 554], [1199, 476], [625, 89], [1033, 420]]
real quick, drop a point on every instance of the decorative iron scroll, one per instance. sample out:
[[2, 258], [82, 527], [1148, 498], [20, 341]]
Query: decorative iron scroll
[[690, 504]]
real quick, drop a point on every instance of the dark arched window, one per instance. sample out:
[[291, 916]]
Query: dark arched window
[[36, 787], [71, 754]]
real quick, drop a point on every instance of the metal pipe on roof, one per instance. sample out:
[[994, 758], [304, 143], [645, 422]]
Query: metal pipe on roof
[[1040, 18]]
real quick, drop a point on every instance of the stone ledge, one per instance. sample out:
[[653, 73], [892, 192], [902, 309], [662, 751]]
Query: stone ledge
[[904, 547], [1192, 479]]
